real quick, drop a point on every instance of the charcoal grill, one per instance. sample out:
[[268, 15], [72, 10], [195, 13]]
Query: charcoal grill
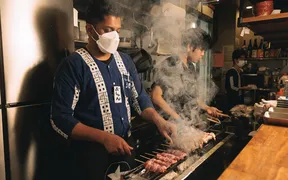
[[195, 159]]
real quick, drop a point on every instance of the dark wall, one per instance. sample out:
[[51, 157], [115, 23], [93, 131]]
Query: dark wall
[[226, 24]]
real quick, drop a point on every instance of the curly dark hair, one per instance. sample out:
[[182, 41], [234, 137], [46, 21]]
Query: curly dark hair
[[98, 9], [197, 38]]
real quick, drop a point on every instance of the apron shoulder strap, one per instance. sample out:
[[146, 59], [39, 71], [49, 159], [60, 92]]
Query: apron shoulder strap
[[101, 90]]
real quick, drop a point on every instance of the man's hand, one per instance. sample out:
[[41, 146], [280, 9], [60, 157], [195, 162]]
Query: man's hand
[[116, 145], [167, 129], [213, 111]]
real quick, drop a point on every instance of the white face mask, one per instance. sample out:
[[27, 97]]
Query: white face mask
[[241, 63], [107, 42]]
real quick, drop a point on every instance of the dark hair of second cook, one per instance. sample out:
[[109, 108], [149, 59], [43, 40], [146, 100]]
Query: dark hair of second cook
[[197, 38], [98, 9], [237, 53]]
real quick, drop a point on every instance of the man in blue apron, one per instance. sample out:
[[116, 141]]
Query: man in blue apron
[[94, 91]]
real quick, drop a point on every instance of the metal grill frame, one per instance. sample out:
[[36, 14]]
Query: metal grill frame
[[192, 168]]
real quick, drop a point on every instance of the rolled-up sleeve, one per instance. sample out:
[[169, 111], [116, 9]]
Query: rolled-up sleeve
[[66, 92]]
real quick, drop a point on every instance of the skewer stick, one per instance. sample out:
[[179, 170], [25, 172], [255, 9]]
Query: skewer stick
[[166, 145], [160, 150], [139, 161], [144, 157], [155, 152], [150, 154]]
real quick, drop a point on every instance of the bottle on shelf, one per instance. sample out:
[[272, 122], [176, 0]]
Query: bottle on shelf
[[249, 49], [266, 50], [272, 51], [260, 51], [254, 49]]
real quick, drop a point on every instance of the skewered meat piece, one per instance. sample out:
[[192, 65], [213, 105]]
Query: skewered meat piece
[[165, 159], [208, 136], [170, 156], [213, 135], [161, 162], [153, 166], [177, 153], [153, 161]]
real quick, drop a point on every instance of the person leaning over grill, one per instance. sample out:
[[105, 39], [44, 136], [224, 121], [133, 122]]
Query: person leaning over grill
[[94, 91], [174, 70]]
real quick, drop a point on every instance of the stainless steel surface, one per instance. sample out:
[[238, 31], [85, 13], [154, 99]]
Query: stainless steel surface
[[278, 115], [280, 110], [186, 166], [28, 45], [2, 162], [35, 35], [196, 164], [24, 140], [277, 118]]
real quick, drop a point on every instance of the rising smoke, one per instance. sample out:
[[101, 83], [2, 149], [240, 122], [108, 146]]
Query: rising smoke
[[182, 90]]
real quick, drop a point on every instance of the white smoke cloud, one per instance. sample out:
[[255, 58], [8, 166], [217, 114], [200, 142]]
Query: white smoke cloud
[[168, 32]]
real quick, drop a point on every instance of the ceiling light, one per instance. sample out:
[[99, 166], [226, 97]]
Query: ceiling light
[[249, 7]]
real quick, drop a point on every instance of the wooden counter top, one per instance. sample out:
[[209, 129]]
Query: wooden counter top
[[264, 157]]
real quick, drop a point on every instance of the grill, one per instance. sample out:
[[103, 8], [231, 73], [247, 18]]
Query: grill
[[182, 168]]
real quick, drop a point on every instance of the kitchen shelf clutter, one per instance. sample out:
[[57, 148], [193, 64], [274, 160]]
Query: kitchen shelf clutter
[[268, 59], [273, 27]]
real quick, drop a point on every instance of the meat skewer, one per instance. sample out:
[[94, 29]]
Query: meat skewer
[[177, 153], [165, 159], [171, 156], [154, 166], [162, 161]]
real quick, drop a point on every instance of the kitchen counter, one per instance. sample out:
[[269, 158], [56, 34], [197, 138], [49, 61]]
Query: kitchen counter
[[264, 157]]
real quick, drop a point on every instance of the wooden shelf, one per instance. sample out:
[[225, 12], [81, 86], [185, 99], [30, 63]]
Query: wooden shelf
[[268, 59], [271, 18], [273, 28]]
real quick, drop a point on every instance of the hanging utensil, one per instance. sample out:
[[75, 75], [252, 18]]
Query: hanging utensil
[[151, 44]]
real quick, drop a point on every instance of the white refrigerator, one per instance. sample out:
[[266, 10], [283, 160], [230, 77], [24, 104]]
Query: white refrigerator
[[36, 35]]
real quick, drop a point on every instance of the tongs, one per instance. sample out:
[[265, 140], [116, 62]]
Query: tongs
[[223, 115], [213, 119]]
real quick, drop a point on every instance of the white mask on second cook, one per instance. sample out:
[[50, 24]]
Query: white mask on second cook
[[241, 63], [107, 42]]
